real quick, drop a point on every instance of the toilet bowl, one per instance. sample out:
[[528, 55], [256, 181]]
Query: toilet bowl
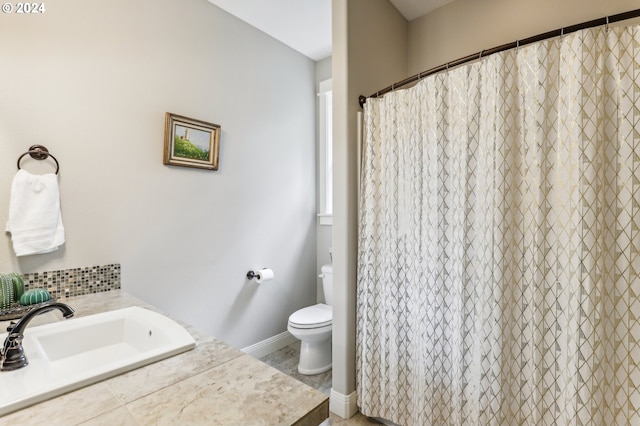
[[312, 325]]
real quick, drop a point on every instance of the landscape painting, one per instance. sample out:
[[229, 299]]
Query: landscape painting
[[191, 143]]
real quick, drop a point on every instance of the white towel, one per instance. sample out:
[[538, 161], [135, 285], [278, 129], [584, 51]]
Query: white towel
[[35, 220]]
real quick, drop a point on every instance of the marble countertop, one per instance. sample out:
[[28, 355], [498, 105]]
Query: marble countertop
[[213, 384]]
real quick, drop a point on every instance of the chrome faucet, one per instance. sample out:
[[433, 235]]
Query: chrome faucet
[[12, 354]]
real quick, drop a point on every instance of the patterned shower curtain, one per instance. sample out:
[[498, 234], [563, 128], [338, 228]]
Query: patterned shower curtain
[[499, 240]]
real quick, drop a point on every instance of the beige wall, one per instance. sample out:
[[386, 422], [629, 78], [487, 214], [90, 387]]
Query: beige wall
[[465, 27], [93, 80], [369, 50]]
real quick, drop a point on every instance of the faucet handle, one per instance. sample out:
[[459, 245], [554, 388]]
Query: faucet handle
[[9, 343], [11, 326], [13, 356]]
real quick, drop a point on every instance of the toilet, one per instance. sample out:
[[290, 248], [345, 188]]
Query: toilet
[[312, 325]]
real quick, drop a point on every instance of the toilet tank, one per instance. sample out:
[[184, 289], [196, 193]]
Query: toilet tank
[[327, 283]]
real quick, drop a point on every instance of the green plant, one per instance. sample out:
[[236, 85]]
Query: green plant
[[18, 285], [6, 292]]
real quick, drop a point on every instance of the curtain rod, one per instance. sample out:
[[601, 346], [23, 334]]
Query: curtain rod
[[544, 36]]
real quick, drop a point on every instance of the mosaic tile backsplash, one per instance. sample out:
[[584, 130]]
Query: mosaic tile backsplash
[[75, 282]]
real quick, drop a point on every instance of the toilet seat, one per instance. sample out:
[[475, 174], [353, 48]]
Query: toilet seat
[[316, 316]]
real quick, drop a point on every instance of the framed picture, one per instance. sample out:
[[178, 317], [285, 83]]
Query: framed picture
[[191, 143]]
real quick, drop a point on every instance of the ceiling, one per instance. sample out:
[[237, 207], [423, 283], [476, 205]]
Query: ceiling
[[305, 25]]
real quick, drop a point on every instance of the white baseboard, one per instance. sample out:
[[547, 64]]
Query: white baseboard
[[343, 405], [270, 345]]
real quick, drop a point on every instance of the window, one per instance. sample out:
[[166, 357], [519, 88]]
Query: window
[[325, 157]]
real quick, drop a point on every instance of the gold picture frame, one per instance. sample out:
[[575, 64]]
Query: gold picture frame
[[191, 143]]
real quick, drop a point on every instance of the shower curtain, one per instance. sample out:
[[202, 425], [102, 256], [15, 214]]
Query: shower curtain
[[499, 240]]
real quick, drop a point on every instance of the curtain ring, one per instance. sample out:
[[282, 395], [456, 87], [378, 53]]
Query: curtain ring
[[606, 25]]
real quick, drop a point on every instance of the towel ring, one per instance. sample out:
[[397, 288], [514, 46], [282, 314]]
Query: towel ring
[[39, 152]]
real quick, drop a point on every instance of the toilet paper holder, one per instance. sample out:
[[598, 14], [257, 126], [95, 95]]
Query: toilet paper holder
[[255, 274], [252, 274], [261, 275]]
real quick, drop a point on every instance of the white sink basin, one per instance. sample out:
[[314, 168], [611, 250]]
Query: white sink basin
[[76, 352]]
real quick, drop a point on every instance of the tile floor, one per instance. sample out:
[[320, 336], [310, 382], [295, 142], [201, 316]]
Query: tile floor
[[286, 360]]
